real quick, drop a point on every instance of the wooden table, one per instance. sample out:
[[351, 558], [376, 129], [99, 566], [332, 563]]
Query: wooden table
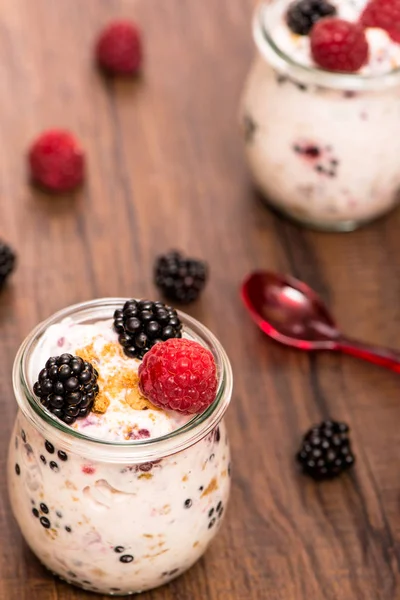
[[166, 168]]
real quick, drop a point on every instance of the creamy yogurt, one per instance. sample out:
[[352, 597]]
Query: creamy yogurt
[[105, 524], [323, 147], [128, 416]]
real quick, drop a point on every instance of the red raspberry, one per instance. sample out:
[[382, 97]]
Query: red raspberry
[[179, 374], [384, 14], [119, 48], [338, 45], [57, 161]]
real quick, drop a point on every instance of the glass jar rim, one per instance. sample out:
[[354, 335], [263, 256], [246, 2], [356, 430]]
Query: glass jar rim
[[271, 52], [134, 451]]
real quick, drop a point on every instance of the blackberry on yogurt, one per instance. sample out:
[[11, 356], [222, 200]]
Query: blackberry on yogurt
[[214, 514], [142, 323], [67, 387], [303, 14]]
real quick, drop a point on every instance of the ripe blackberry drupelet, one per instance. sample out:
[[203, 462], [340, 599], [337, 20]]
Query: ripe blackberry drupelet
[[179, 278], [303, 14], [67, 387], [326, 450], [142, 323], [7, 262]]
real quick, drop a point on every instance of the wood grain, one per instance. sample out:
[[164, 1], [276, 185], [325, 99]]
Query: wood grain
[[166, 168]]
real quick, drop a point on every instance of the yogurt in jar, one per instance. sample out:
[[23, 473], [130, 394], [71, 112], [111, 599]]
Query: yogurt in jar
[[323, 147], [128, 497]]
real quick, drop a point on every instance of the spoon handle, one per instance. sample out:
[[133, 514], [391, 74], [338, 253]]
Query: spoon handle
[[384, 357]]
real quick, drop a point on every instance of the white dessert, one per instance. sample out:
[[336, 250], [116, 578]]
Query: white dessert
[[352, 172], [106, 526], [121, 421]]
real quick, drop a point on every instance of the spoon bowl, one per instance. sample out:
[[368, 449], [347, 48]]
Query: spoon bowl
[[291, 313]]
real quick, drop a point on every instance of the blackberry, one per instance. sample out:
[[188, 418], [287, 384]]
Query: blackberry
[[7, 262], [303, 14], [326, 450], [67, 387], [142, 323], [179, 278]]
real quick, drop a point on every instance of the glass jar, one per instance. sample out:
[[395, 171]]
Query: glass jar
[[117, 518], [323, 147]]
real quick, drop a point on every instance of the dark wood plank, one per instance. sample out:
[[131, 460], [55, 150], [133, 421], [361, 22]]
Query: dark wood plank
[[166, 168]]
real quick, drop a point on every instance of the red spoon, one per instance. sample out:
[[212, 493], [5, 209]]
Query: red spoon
[[291, 313]]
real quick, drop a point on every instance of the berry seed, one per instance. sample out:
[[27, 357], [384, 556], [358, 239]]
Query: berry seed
[[126, 558], [45, 522], [49, 447]]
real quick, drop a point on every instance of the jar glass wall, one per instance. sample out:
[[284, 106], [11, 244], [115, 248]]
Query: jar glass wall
[[117, 518]]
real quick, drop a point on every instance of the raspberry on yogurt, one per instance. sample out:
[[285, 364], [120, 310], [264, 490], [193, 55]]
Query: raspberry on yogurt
[[339, 45], [179, 374], [384, 14]]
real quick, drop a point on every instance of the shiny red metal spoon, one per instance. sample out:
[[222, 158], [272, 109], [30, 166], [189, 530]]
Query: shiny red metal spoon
[[292, 313]]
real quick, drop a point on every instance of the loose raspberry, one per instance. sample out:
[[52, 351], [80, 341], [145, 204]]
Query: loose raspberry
[[384, 14], [179, 374], [119, 48], [57, 161], [338, 45]]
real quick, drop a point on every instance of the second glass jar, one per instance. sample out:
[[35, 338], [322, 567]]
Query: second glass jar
[[324, 148]]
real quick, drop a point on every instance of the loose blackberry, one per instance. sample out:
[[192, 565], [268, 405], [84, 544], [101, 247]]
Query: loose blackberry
[[179, 278], [67, 387], [7, 262], [326, 450], [142, 323], [303, 14]]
